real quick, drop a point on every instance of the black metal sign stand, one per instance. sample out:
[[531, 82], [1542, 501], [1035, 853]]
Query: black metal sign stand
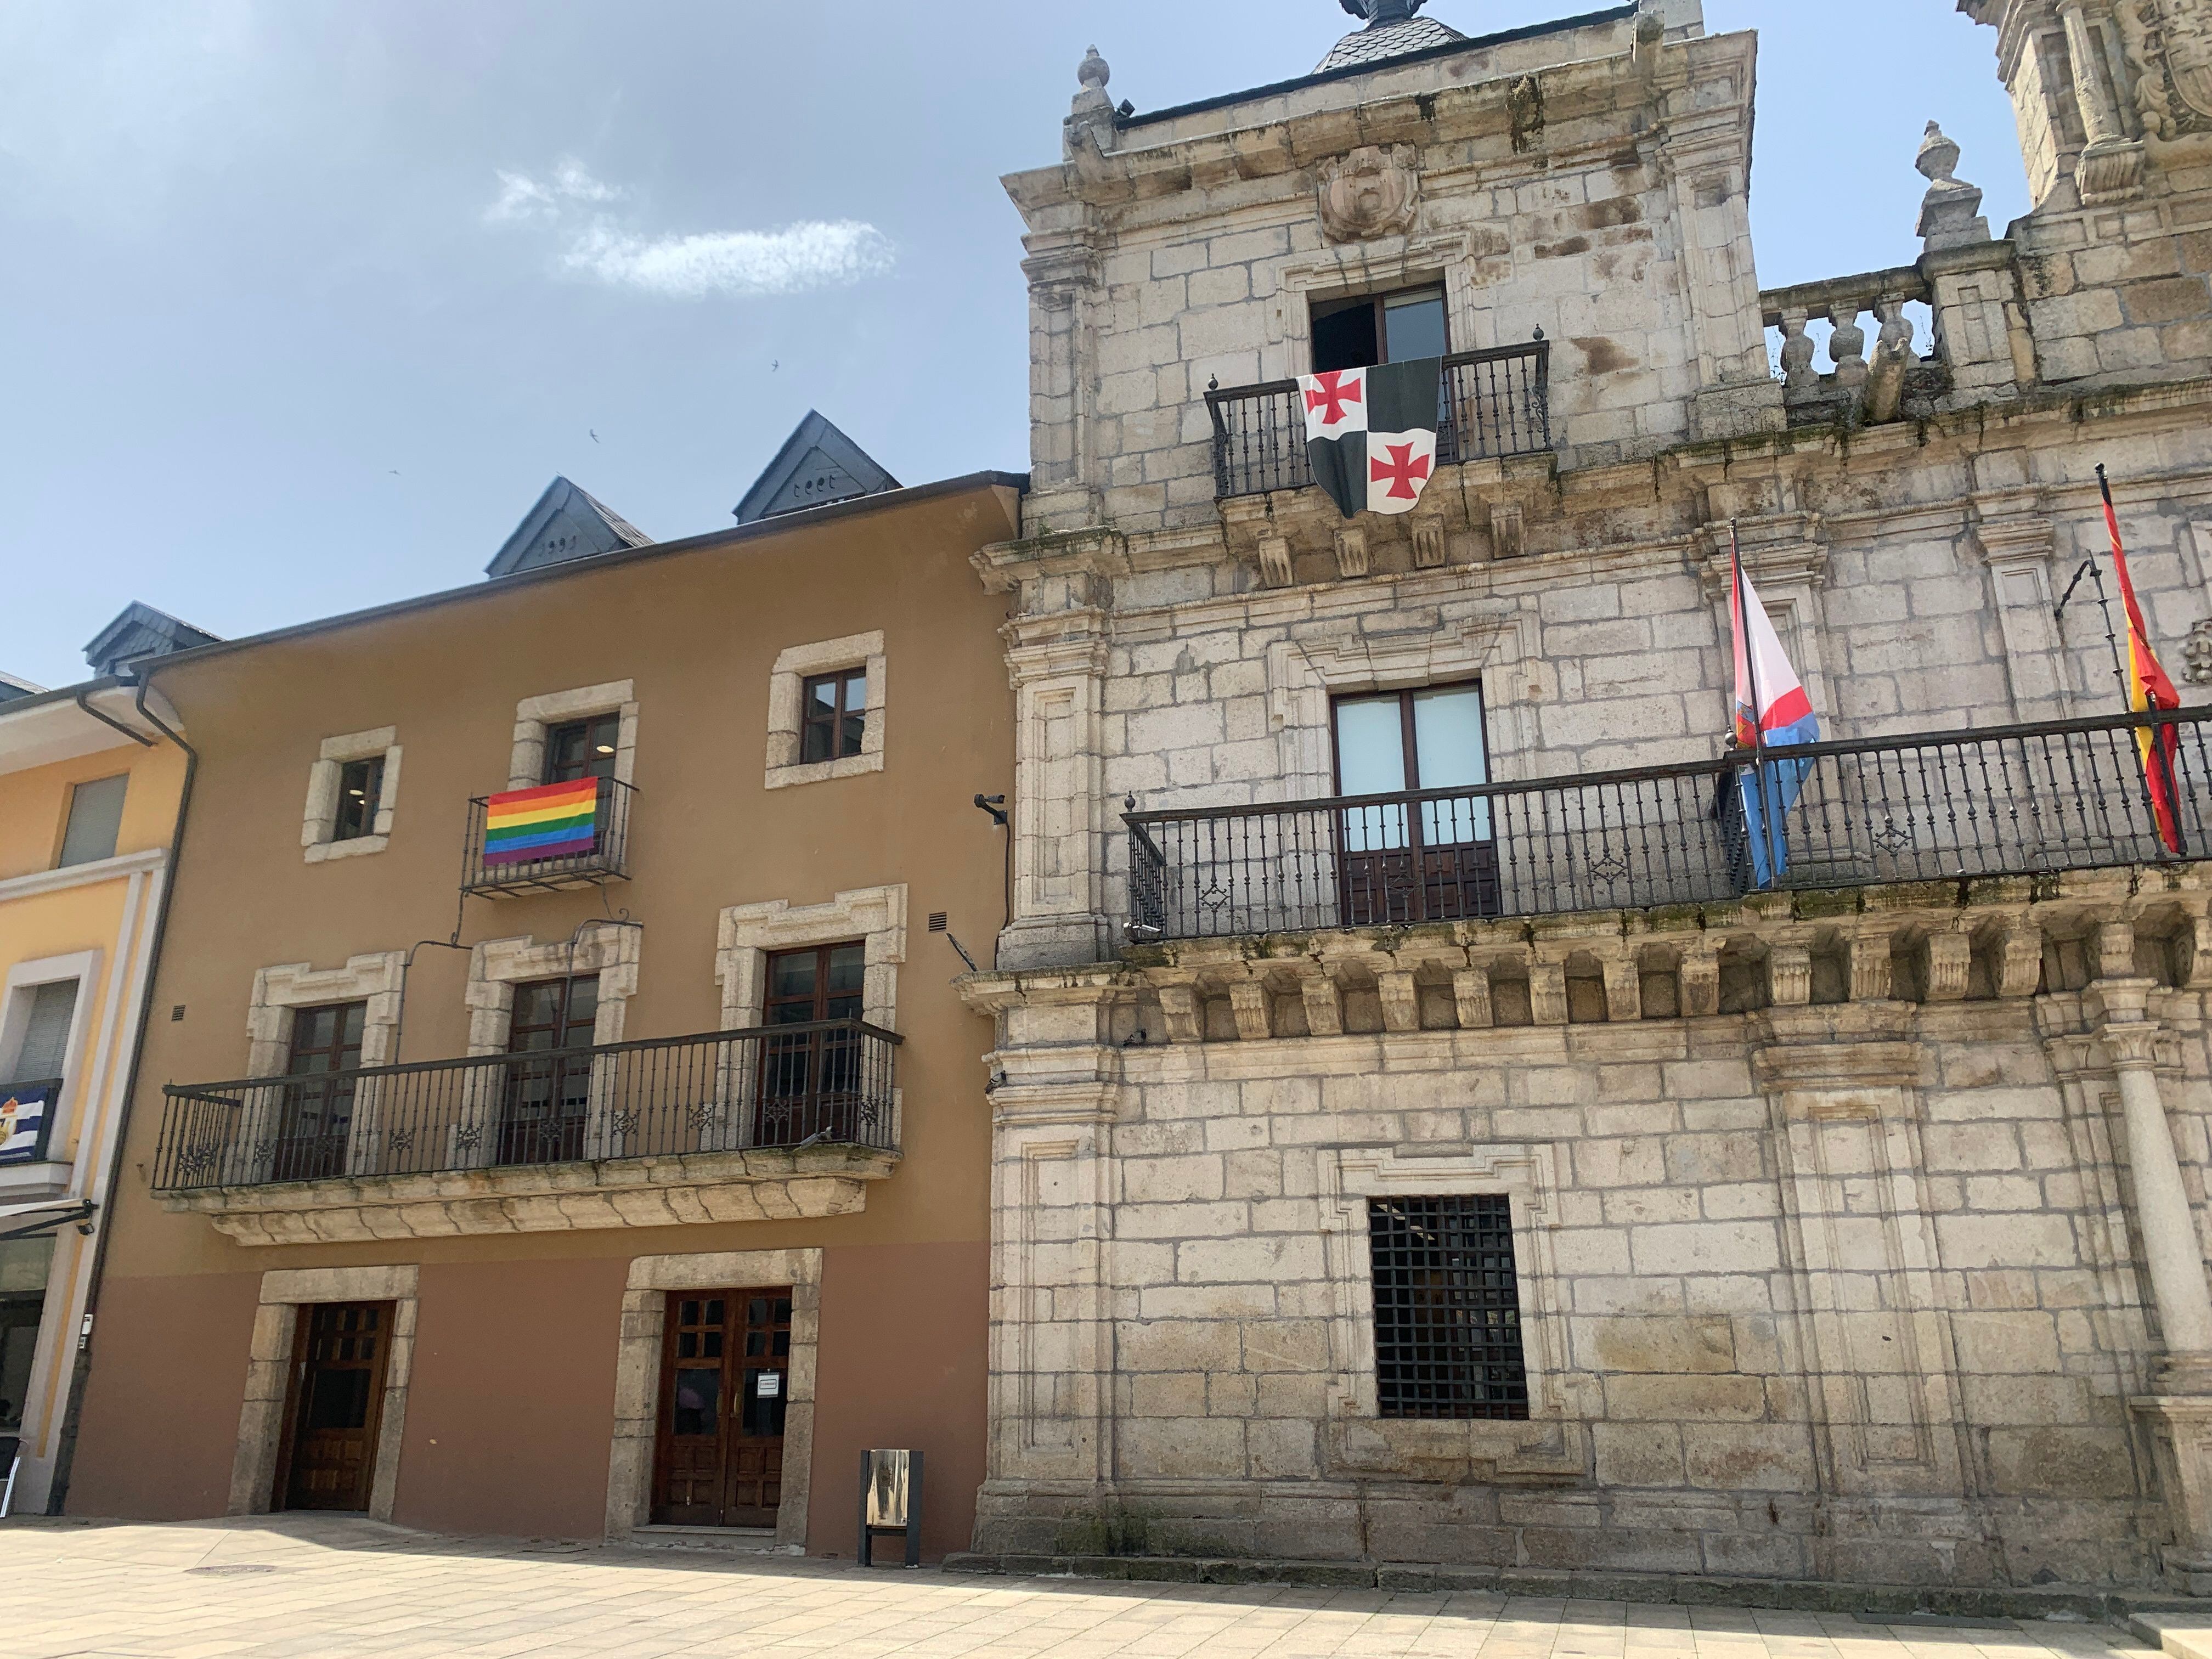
[[884, 1514]]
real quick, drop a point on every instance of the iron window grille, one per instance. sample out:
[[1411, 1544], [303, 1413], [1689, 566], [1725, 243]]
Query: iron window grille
[[1447, 1308]]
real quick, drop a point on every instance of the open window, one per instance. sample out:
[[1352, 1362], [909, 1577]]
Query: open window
[[1379, 328], [1432, 860]]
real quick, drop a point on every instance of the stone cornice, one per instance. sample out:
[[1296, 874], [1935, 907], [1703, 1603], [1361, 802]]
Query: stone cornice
[[1446, 114], [759, 1185]]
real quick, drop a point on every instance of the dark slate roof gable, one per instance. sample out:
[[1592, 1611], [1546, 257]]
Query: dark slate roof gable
[[12, 686], [1379, 43], [567, 523], [140, 631], [817, 465]]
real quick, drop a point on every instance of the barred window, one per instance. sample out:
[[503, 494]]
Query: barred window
[[1447, 1308]]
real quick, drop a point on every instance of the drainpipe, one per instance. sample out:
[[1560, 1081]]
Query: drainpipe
[[73, 1407]]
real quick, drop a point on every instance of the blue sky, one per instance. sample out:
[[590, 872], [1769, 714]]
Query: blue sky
[[308, 300]]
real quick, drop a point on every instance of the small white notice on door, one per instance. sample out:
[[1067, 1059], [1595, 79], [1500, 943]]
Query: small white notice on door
[[771, 1385]]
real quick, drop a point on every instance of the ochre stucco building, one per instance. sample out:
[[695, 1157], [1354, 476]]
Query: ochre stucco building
[[488, 1239]]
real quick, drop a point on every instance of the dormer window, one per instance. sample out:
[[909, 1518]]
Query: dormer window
[[1379, 328]]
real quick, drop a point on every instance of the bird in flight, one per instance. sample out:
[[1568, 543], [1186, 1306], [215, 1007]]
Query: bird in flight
[[595, 436], [775, 365]]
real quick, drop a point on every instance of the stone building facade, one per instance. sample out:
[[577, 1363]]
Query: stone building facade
[[1856, 1225]]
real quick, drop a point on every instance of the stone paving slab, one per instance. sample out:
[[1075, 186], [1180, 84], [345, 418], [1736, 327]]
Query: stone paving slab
[[324, 1587]]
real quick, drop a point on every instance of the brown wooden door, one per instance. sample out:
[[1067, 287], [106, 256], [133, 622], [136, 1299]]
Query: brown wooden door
[[725, 1384], [335, 1405]]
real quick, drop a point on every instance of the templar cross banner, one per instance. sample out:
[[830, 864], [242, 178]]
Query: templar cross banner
[[1371, 434]]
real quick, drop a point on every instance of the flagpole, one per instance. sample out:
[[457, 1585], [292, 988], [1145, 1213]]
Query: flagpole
[[2154, 750], [2104, 603], [1750, 675]]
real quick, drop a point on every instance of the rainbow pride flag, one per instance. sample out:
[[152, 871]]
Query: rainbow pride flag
[[553, 821]]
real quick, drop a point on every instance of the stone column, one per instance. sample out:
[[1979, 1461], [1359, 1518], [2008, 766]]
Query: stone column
[[2170, 1247], [2110, 166]]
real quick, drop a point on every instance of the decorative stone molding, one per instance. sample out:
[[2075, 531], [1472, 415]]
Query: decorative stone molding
[[1351, 552], [535, 716], [1376, 190], [324, 778], [376, 979], [606, 950], [284, 1293], [1498, 648], [2196, 654], [637, 1376], [786, 712], [748, 934], [1364, 1443], [681, 1189]]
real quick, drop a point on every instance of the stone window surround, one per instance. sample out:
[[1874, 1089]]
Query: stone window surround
[[637, 1376], [284, 1292], [1387, 266], [607, 953], [1305, 675], [321, 823], [280, 991], [786, 693], [23, 977], [1528, 1174], [747, 934], [535, 716]]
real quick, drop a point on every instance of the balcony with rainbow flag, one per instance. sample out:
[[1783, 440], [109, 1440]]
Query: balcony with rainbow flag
[[551, 838]]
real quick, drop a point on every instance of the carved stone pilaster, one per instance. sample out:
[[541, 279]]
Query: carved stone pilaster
[[1471, 992], [1789, 975], [1870, 967], [1248, 1001], [1548, 993], [1324, 1005], [1402, 1001], [1950, 962]]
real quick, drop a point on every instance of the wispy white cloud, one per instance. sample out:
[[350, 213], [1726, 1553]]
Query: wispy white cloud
[[521, 197], [740, 263]]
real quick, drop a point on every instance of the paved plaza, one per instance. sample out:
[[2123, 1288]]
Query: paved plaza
[[332, 1588]]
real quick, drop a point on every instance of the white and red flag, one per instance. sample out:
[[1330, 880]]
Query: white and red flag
[[1772, 710], [1371, 434]]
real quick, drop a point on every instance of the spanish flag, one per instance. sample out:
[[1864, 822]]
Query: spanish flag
[[2149, 691]]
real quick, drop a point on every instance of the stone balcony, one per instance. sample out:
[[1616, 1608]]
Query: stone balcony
[[771, 1124]]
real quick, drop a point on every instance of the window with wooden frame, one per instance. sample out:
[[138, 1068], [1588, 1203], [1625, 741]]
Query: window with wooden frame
[[360, 786], [582, 749], [1447, 1308], [1379, 328], [810, 1080], [834, 715], [547, 1101], [317, 1119], [1434, 860]]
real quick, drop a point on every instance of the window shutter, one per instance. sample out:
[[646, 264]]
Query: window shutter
[[45, 1038], [95, 815]]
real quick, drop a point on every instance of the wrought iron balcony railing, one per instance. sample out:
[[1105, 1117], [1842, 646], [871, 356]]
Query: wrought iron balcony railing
[[774, 1087], [607, 860], [26, 1120], [1489, 404], [2005, 800]]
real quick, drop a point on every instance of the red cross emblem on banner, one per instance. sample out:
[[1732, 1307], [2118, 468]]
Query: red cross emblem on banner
[[1331, 396], [1402, 472]]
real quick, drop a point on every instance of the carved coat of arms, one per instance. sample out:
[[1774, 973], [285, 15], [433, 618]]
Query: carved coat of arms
[[1373, 191], [2172, 43]]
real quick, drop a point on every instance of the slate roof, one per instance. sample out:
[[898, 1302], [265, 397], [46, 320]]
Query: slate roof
[[12, 686], [139, 630], [817, 465], [569, 522], [1378, 42]]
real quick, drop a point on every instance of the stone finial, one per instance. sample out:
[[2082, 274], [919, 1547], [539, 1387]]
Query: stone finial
[[1950, 214], [1093, 110]]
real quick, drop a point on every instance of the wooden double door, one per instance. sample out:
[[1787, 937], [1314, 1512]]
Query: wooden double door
[[334, 1406], [724, 1386]]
